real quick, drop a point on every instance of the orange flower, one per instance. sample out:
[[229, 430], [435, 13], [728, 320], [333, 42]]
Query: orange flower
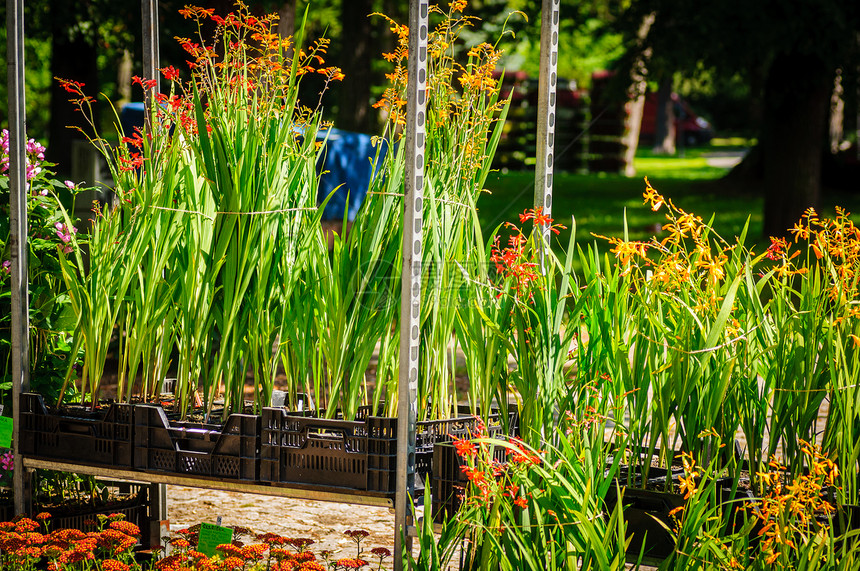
[[465, 448]]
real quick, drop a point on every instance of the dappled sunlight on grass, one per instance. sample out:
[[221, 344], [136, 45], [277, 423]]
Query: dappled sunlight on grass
[[689, 168], [600, 201], [600, 204]]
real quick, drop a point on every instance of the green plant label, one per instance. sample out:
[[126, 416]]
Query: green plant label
[[211, 536], [5, 432]]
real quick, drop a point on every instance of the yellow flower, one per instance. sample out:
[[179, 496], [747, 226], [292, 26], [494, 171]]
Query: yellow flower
[[688, 485], [652, 196]]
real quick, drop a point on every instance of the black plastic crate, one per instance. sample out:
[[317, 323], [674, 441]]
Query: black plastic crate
[[447, 483], [130, 500], [359, 454], [133, 504], [231, 451], [102, 438], [309, 450]]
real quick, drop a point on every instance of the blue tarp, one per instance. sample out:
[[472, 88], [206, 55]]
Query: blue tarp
[[131, 116], [346, 164], [347, 170]]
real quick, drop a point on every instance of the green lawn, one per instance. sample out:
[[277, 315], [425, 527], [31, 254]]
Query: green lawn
[[599, 202]]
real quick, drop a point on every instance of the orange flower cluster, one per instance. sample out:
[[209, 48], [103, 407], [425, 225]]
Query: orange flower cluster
[[463, 115], [835, 244], [788, 512], [22, 546], [692, 257], [478, 75], [690, 480], [255, 57], [489, 479], [393, 98], [516, 261], [264, 551]]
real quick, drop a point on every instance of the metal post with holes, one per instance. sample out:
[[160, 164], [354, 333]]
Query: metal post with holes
[[410, 289], [151, 61], [547, 82], [149, 13], [18, 236]]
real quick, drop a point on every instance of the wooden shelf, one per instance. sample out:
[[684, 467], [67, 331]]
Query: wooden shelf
[[346, 497]]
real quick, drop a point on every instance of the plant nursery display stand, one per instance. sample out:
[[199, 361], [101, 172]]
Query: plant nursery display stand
[[347, 496], [125, 459]]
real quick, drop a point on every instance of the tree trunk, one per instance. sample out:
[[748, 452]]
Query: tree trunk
[[637, 97], [354, 110], [796, 103], [76, 59], [664, 130], [287, 18], [837, 114]]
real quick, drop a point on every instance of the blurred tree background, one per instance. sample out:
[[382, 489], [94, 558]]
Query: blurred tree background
[[99, 42], [766, 70]]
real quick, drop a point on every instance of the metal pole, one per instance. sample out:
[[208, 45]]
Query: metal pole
[[410, 290], [151, 61], [547, 82], [149, 12], [18, 235]]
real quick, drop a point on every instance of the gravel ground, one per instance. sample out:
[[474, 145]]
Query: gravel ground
[[324, 522]]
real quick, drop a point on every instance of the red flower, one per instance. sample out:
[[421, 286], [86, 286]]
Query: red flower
[[776, 250], [70, 86], [254, 551], [144, 83], [230, 550], [301, 543], [126, 527], [130, 163], [114, 565], [170, 73], [465, 448], [271, 538], [169, 563], [350, 563], [303, 557], [522, 455], [540, 219], [26, 524], [180, 543], [232, 563]]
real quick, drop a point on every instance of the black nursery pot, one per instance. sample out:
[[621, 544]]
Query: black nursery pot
[[846, 518], [647, 512]]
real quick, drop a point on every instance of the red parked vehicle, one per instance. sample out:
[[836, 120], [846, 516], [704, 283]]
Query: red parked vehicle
[[690, 129]]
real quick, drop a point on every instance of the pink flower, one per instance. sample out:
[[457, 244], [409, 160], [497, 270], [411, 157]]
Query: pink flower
[[70, 185], [64, 233]]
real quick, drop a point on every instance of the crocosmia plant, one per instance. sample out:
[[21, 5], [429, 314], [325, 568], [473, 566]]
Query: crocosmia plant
[[214, 218]]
